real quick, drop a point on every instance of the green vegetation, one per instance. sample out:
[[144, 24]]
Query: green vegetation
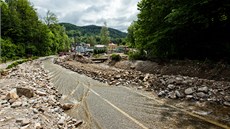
[[179, 29], [137, 55], [104, 35], [21, 61], [83, 33], [115, 57], [24, 35], [99, 51]]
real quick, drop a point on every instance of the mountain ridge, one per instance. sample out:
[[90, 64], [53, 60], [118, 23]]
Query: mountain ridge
[[94, 30]]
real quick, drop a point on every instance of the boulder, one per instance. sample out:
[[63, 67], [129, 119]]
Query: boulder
[[12, 95], [27, 92]]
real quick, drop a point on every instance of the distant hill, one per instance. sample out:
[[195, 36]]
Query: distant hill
[[93, 30]]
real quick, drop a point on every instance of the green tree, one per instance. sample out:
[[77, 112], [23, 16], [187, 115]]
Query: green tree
[[50, 18], [91, 40], [25, 35], [104, 35], [183, 29], [130, 36]]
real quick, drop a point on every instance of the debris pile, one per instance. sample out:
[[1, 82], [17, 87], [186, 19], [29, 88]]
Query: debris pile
[[167, 86], [29, 100]]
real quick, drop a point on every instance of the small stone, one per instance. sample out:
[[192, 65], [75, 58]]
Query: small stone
[[172, 95], [25, 91], [18, 120], [37, 126], [35, 111], [118, 83], [67, 106], [25, 104], [140, 87], [171, 81], [12, 101], [161, 93], [189, 91], [203, 89], [171, 86], [162, 81], [132, 67], [227, 104], [41, 93], [227, 98], [32, 101], [25, 122], [189, 97], [179, 79], [117, 76], [146, 77], [78, 123], [3, 102], [178, 94], [61, 121], [16, 104], [201, 94]]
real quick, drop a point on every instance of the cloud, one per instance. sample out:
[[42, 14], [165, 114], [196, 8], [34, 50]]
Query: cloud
[[117, 13]]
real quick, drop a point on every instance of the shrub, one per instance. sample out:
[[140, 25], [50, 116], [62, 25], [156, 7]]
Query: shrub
[[99, 51], [115, 57], [136, 55]]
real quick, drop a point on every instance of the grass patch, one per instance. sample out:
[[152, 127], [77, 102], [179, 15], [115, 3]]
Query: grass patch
[[20, 62]]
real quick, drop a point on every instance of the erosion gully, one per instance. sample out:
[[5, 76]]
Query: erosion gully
[[109, 107]]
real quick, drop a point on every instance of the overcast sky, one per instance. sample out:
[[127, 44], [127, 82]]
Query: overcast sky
[[117, 13]]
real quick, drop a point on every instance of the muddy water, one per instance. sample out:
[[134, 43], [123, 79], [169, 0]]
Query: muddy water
[[106, 107]]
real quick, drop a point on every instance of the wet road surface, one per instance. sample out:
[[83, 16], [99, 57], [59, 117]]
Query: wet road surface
[[108, 107]]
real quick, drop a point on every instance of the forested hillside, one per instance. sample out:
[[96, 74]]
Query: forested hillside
[[92, 30], [197, 29], [23, 34]]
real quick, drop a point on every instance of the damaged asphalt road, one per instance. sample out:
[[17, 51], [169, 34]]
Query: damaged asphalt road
[[109, 107]]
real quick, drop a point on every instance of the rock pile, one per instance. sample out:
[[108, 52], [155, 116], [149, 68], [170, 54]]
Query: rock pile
[[29, 101], [168, 86]]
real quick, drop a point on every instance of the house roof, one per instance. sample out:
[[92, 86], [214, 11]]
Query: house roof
[[99, 45]]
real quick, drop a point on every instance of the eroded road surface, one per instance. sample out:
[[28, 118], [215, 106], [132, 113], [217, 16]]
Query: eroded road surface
[[108, 107]]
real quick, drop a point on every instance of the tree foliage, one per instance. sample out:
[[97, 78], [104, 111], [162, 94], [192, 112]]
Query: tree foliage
[[23, 34], [196, 29], [50, 18], [83, 33], [105, 39]]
